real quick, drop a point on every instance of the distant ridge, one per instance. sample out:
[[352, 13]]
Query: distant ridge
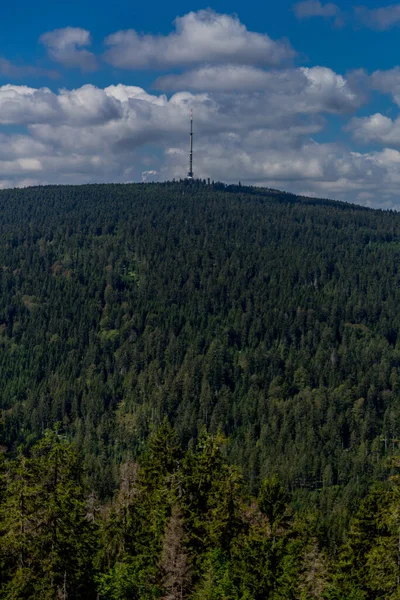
[[196, 185]]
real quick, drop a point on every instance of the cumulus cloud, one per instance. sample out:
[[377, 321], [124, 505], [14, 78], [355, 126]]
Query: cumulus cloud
[[314, 8], [376, 129], [302, 90], [330, 89], [199, 37], [381, 19], [23, 105], [67, 47]]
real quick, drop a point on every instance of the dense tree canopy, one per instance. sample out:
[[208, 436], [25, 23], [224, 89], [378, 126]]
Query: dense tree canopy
[[265, 317], [180, 525]]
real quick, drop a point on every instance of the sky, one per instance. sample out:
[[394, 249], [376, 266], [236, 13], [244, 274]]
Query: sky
[[300, 96]]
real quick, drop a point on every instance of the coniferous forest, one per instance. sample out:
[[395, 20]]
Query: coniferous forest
[[199, 395]]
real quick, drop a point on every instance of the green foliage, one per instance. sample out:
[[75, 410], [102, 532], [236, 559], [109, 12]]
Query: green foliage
[[46, 542], [216, 583], [182, 528], [273, 501]]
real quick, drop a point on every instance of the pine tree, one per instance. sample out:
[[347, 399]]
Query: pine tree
[[19, 522], [273, 501], [49, 541]]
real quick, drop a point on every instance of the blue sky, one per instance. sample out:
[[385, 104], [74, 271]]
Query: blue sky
[[317, 42], [302, 96]]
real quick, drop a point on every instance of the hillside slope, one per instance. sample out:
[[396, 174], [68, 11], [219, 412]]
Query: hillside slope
[[270, 318]]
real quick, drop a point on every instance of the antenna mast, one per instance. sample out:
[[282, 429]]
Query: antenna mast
[[190, 174]]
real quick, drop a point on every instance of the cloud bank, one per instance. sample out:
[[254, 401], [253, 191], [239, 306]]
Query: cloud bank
[[259, 137]]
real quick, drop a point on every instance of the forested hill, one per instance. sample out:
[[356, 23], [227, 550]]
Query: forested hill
[[269, 318]]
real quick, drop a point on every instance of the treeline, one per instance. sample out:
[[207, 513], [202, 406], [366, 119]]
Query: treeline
[[180, 526], [270, 318]]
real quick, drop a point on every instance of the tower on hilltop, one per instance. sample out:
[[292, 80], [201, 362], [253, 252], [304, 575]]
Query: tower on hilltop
[[190, 174]]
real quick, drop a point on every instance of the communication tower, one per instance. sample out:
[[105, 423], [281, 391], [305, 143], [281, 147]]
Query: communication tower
[[190, 174]]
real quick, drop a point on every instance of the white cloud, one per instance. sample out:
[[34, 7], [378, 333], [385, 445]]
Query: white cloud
[[89, 105], [224, 78], [199, 37], [20, 146], [376, 129], [303, 90], [314, 8], [66, 46], [381, 19], [387, 82], [86, 105], [331, 90], [21, 104]]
